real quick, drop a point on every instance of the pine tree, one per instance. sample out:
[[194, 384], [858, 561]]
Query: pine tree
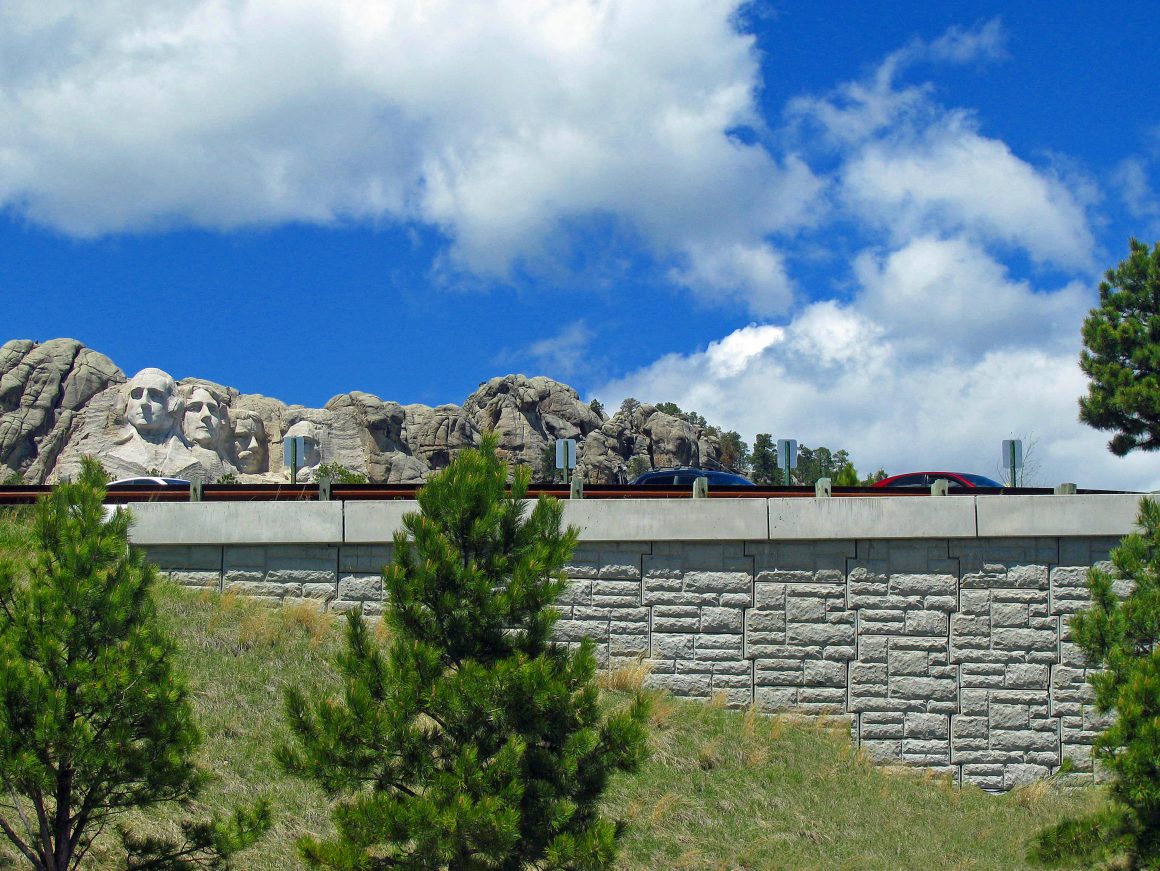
[[94, 718], [764, 460], [1121, 354], [734, 452], [1122, 637], [473, 741], [847, 476]]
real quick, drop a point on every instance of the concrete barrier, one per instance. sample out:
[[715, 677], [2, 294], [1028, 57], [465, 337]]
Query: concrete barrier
[[938, 625]]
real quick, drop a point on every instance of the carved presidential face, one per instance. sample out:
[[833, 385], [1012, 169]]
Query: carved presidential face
[[203, 418], [310, 434], [250, 442], [149, 402]]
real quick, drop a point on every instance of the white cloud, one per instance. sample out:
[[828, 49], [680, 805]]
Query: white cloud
[[937, 352], [731, 355], [947, 297], [564, 354], [904, 376], [910, 166], [1132, 181], [987, 41], [951, 179], [494, 121], [754, 274], [857, 110]]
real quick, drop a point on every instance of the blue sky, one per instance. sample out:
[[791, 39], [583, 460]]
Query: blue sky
[[875, 226]]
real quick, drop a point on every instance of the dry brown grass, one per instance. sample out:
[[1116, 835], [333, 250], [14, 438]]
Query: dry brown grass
[[312, 617], [1030, 795], [625, 678]]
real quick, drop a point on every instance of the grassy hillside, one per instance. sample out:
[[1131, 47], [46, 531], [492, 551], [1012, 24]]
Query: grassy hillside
[[723, 789]]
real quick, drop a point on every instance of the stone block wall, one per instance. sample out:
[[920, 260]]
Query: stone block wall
[[952, 654]]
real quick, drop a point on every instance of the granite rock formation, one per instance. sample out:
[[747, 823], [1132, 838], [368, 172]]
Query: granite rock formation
[[42, 389], [60, 401]]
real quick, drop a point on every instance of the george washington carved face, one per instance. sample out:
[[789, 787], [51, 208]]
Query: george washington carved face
[[151, 402]]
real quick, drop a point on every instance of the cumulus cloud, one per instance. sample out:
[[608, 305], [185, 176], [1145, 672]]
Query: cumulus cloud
[[952, 179], [754, 274], [494, 122], [935, 353], [904, 376], [911, 166], [948, 298]]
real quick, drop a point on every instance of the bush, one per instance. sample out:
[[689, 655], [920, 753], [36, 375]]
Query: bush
[[339, 474]]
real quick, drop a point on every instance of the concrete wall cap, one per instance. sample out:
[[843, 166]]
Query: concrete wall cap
[[872, 517], [668, 519], [1085, 514], [376, 522], [236, 523]]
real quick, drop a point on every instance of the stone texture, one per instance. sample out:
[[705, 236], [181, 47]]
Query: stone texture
[[953, 655], [652, 437], [42, 387]]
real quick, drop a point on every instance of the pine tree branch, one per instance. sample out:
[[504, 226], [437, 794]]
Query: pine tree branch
[[20, 845]]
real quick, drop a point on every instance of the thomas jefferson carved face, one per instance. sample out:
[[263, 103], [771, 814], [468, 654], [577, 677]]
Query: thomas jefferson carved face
[[150, 402], [204, 419], [249, 442]]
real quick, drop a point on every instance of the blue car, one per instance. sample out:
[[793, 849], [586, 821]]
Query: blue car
[[685, 475]]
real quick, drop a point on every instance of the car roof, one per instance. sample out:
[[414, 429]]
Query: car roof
[[147, 481], [721, 477]]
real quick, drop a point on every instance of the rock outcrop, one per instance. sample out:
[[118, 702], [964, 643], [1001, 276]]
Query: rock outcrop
[[530, 413], [60, 400], [42, 387]]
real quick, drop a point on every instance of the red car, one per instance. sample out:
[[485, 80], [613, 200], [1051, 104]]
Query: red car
[[957, 481]]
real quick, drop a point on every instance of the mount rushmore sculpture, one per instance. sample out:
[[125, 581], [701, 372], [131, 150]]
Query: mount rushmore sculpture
[[60, 401]]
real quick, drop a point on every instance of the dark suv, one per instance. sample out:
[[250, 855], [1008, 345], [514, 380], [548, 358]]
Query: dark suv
[[685, 475]]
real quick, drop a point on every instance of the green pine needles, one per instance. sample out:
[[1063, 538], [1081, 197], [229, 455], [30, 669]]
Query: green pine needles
[[473, 741], [1122, 636], [94, 719], [1121, 354]]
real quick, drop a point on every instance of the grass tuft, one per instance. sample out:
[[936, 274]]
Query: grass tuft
[[626, 678]]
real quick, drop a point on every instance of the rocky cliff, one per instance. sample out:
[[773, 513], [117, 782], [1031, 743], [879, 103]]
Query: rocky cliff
[[60, 401]]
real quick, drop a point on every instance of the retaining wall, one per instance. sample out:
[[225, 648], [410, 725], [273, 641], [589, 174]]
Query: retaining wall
[[937, 624]]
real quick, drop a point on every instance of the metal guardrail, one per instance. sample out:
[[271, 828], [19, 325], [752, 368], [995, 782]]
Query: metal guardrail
[[27, 494]]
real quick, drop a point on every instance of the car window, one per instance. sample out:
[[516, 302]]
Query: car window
[[909, 481], [981, 481]]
